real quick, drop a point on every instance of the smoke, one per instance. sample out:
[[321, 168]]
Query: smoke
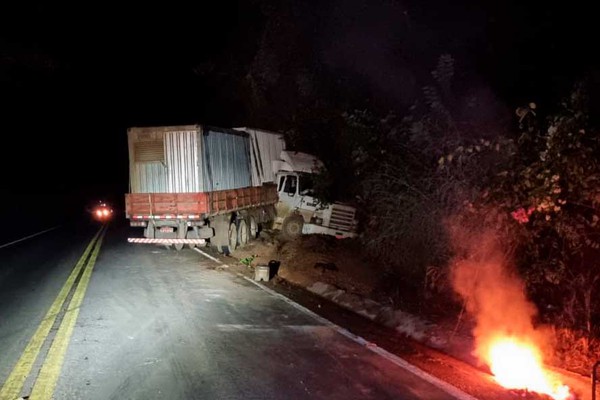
[[493, 293]]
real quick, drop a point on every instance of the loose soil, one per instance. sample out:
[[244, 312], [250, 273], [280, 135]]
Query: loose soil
[[313, 258]]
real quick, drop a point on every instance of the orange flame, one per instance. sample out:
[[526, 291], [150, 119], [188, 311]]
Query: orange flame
[[518, 365], [506, 338]]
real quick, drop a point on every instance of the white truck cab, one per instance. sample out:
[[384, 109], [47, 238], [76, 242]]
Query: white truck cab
[[298, 211]]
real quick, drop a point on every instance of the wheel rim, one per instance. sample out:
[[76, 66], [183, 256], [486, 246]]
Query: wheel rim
[[253, 228], [294, 228], [243, 232], [232, 236]]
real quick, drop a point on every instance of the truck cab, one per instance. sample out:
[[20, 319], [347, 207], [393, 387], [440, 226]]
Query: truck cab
[[298, 211]]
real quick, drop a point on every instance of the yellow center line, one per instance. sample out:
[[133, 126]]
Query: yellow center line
[[45, 383], [14, 383]]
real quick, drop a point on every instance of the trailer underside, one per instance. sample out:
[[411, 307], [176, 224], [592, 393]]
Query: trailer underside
[[226, 218]]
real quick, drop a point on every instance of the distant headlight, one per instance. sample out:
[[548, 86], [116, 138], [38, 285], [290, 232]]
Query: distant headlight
[[99, 213]]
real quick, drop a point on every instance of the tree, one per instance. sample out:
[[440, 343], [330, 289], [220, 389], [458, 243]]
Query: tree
[[548, 185], [405, 195]]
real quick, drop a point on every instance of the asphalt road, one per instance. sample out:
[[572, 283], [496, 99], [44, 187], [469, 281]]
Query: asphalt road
[[146, 322]]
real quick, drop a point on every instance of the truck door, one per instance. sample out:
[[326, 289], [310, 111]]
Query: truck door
[[288, 191]]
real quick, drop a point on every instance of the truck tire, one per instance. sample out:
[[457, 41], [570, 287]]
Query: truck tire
[[292, 226], [242, 233], [220, 239], [192, 234], [252, 228], [181, 233], [232, 239]]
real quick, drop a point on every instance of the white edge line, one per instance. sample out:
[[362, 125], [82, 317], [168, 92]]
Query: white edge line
[[29, 237], [207, 255], [445, 386]]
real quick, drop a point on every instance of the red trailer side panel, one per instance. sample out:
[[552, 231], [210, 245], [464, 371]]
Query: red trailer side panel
[[196, 205]]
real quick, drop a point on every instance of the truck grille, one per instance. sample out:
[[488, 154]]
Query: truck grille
[[342, 218]]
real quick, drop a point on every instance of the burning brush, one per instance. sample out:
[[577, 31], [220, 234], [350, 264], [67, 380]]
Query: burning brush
[[505, 337], [518, 365]]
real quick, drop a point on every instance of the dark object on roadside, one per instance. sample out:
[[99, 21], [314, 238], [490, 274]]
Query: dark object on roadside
[[329, 266], [273, 268]]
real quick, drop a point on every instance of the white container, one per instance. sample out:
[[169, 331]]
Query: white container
[[261, 273]]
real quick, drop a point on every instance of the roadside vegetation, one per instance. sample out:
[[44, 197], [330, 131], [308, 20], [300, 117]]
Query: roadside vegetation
[[442, 168], [433, 179]]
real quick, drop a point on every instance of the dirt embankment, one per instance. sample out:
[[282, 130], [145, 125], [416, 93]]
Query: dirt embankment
[[314, 258]]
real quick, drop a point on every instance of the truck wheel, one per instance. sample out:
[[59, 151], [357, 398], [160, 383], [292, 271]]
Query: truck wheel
[[253, 228], [232, 239], [192, 234], [243, 233], [220, 226], [181, 233], [292, 226]]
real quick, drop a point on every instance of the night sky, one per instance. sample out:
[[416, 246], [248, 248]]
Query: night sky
[[73, 77]]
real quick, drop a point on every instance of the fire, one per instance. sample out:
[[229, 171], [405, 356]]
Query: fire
[[517, 364], [506, 338]]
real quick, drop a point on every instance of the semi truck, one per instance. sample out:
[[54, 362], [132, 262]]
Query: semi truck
[[196, 185]]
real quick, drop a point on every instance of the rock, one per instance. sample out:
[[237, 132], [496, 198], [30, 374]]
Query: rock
[[320, 288]]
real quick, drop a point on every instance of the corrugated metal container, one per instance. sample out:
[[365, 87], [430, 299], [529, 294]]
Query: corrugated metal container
[[181, 149], [164, 159], [188, 159], [150, 178], [265, 147], [225, 159]]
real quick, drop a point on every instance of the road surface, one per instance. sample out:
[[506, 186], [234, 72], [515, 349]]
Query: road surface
[[146, 322]]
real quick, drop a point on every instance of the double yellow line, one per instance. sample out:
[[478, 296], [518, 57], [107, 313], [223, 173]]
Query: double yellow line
[[50, 371]]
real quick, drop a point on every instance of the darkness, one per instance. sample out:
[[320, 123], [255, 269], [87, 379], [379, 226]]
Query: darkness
[[74, 77]]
